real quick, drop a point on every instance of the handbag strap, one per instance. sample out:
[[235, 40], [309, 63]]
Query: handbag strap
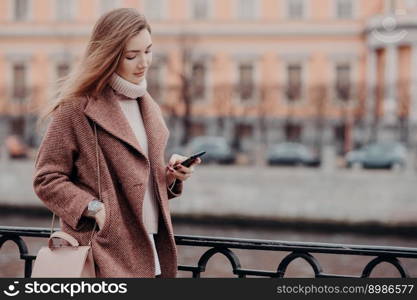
[[98, 183]]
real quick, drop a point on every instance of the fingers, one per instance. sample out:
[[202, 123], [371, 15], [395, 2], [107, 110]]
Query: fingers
[[183, 169], [181, 176], [176, 158], [179, 171], [182, 173], [197, 161], [172, 160]]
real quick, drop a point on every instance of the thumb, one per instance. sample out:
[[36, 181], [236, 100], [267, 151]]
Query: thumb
[[172, 160]]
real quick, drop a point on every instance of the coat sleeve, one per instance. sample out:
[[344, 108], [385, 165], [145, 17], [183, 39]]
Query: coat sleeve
[[175, 190], [54, 166]]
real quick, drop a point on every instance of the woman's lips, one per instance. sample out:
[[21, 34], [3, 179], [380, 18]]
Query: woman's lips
[[139, 74]]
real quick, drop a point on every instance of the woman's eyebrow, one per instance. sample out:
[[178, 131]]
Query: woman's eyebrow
[[138, 50]]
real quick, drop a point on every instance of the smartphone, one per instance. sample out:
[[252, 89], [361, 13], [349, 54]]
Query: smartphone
[[189, 161]]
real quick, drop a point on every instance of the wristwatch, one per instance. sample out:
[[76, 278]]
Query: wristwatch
[[93, 207]]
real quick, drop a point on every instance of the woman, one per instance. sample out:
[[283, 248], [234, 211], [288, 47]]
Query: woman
[[135, 236]]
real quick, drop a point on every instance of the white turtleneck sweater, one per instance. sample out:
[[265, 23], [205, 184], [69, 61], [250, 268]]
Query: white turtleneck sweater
[[126, 94]]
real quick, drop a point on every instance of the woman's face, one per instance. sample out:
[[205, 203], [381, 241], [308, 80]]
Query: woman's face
[[136, 58]]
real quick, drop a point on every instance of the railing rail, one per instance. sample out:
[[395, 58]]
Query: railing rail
[[223, 246]]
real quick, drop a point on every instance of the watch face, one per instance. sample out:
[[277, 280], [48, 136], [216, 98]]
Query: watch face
[[94, 206]]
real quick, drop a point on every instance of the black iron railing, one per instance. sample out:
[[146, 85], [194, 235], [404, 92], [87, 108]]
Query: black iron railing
[[301, 250]]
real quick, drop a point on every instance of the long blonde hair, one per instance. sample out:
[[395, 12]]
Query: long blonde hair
[[104, 50]]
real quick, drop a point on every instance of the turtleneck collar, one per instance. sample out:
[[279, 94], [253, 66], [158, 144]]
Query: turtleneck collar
[[127, 88]]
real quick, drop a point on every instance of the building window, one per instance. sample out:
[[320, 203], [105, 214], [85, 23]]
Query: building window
[[62, 69], [199, 9], [19, 81], [246, 81], [244, 130], [198, 83], [154, 81], [65, 10], [340, 136], [296, 9], [293, 132], [246, 9], [294, 82], [344, 9], [153, 9], [21, 10], [197, 129], [107, 5], [242, 137], [343, 83]]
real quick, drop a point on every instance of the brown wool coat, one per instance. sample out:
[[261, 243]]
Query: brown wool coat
[[65, 180]]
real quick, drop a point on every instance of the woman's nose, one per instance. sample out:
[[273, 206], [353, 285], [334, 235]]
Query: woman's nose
[[142, 62], [141, 66]]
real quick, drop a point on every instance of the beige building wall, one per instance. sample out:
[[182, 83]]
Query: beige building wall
[[319, 42]]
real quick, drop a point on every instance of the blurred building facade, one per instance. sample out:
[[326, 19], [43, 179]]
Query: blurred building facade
[[339, 72]]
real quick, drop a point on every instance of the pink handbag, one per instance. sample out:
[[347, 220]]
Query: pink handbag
[[68, 259]]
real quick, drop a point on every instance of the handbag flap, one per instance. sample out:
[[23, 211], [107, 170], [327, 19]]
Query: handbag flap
[[60, 262]]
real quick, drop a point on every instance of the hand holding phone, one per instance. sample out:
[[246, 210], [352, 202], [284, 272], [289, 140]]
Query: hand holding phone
[[189, 161], [186, 163]]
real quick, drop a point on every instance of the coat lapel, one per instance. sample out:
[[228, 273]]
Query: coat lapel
[[107, 113], [156, 130]]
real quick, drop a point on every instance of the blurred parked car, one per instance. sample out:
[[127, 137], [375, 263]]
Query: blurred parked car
[[290, 153], [217, 149], [386, 155]]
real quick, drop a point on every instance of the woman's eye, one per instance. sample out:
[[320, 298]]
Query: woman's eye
[[130, 58]]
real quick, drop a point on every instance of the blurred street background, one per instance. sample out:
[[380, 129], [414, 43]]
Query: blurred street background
[[307, 111]]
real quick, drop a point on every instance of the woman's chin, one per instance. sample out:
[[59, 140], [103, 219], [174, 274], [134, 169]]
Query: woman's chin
[[136, 80]]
